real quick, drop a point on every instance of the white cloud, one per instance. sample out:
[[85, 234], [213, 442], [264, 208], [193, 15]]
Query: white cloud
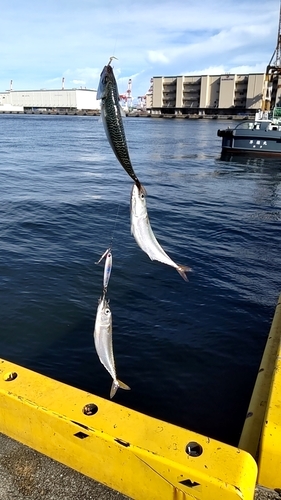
[[257, 68], [79, 82], [221, 70], [211, 70], [155, 56], [75, 40], [54, 80]]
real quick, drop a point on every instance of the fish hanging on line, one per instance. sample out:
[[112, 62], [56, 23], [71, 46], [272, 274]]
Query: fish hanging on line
[[103, 343], [144, 236], [107, 255], [112, 120]]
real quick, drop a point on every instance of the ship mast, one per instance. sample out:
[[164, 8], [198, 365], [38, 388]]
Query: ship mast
[[273, 69]]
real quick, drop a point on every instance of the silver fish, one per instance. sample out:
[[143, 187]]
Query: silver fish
[[103, 343], [112, 120], [107, 267], [144, 236]]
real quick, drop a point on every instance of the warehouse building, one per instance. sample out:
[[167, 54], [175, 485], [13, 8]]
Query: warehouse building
[[209, 94], [50, 100]]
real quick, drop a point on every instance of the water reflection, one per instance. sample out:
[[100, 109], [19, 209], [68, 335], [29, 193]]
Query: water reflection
[[266, 172], [252, 161]]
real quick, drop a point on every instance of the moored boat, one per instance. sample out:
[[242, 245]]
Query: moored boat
[[261, 136]]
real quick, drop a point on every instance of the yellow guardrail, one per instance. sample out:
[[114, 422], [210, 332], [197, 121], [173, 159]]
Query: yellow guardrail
[[138, 455], [251, 433], [261, 434], [269, 459]]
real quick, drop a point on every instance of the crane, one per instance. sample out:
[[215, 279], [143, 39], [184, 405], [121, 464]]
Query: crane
[[273, 70], [127, 99]]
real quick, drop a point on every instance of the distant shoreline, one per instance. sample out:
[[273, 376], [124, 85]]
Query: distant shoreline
[[134, 114]]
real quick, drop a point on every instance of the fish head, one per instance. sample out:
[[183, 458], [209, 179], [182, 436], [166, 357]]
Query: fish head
[[106, 77], [106, 316], [138, 202]]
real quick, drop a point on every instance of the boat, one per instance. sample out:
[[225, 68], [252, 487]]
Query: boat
[[261, 136]]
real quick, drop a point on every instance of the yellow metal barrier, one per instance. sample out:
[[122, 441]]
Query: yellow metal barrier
[[140, 456], [269, 460], [251, 433]]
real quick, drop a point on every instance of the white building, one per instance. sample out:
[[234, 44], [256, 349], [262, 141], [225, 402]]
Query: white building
[[76, 99]]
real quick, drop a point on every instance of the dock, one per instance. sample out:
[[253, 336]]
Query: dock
[[131, 114], [28, 475]]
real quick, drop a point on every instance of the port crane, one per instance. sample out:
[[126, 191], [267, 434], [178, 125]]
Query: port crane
[[126, 99], [273, 71]]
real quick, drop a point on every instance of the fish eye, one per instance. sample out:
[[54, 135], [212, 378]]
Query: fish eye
[[142, 196], [107, 311]]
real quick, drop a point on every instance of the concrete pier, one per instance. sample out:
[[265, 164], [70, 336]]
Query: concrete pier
[[28, 475]]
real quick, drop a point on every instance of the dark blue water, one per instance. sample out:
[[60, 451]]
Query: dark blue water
[[189, 351]]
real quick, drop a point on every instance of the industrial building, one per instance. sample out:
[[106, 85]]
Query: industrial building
[[210, 94], [49, 100]]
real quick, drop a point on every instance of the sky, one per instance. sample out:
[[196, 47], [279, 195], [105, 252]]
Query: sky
[[43, 41]]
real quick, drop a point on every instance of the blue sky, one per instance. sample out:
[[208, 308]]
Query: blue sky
[[42, 41]]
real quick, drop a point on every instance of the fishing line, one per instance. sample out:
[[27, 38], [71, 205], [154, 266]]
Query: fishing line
[[114, 226], [115, 43], [116, 36]]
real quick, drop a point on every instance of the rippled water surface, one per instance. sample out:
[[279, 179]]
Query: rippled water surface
[[189, 351]]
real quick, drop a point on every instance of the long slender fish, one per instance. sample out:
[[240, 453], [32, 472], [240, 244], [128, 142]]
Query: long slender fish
[[107, 267], [103, 343], [112, 120], [144, 236]]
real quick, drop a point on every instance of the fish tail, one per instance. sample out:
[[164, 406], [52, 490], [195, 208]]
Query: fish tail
[[182, 270], [140, 187], [115, 385]]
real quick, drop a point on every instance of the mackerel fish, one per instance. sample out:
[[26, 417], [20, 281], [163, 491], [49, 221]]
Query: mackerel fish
[[112, 120], [103, 343], [144, 236]]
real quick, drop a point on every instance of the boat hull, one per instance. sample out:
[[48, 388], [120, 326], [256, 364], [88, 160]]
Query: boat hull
[[247, 152], [252, 138]]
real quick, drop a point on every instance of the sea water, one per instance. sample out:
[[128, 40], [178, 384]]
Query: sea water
[[189, 351]]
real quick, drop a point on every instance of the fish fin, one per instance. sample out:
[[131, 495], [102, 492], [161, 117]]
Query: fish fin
[[141, 188], [122, 111], [100, 93], [123, 386], [115, 385], [182, 270]]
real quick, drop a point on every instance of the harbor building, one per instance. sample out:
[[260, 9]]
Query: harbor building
[[210, 94], [49, 100]]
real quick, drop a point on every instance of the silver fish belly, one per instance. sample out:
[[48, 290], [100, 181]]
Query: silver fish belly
[[103, 343], [144, 236], [112, 120]]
